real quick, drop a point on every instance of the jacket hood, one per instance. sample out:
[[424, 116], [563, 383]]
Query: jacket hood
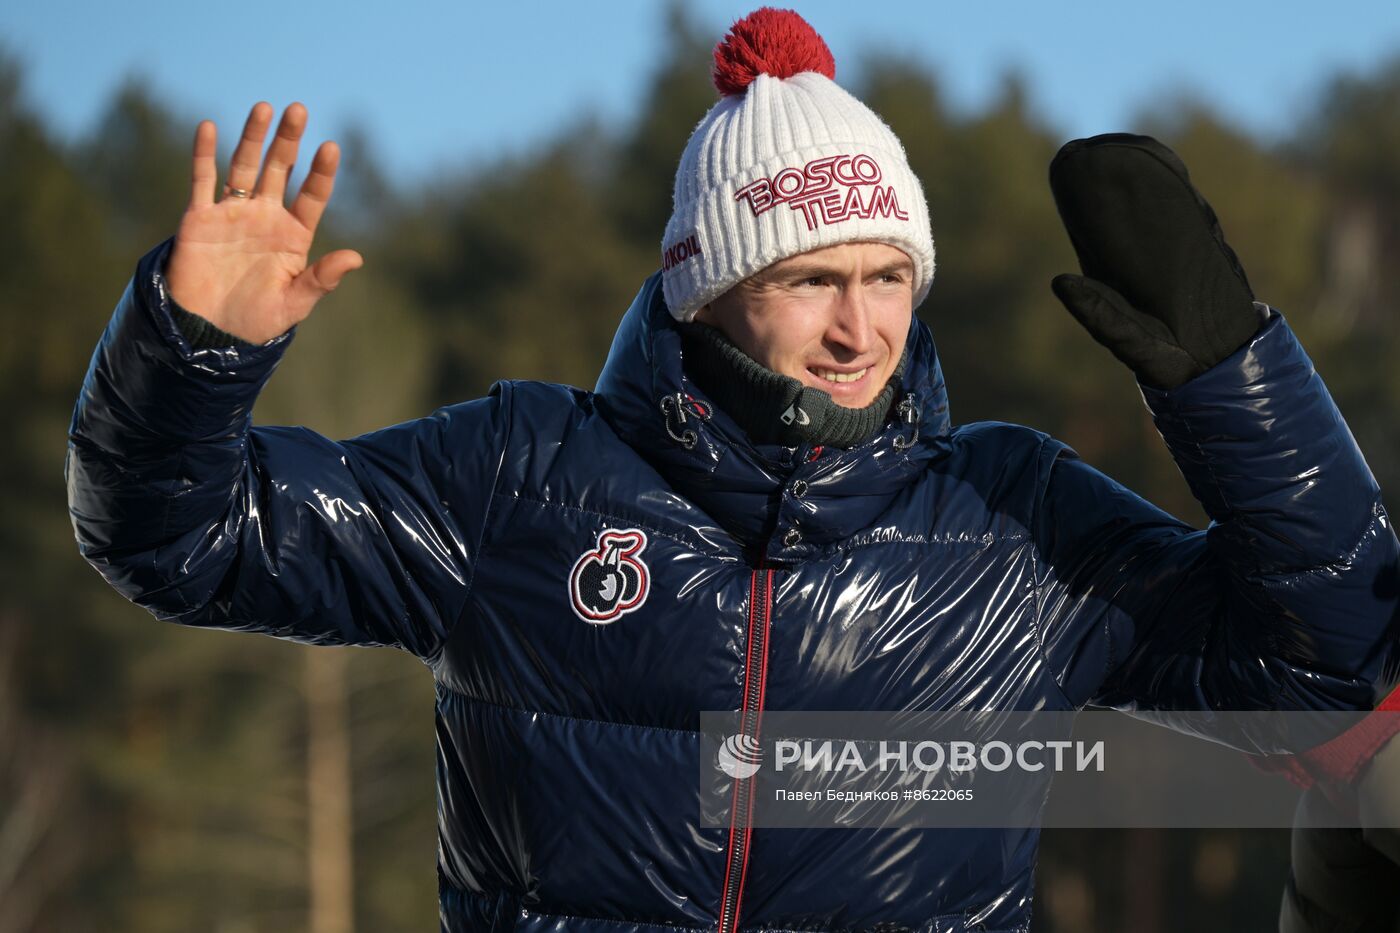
[[645, 394]]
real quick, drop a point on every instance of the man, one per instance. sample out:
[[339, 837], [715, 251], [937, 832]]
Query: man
[[762, 505], [1344, 874]]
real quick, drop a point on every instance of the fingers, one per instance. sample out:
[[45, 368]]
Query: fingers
[[243, 170], [204, 173], [1140, 341], [320, 278], [316, 190], [282, 154], [1107, 315]]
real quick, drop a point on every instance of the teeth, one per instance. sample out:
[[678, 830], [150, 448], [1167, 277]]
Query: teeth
[[841, 377]]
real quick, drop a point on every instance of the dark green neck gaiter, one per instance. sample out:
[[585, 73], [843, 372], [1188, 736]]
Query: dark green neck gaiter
[[773, 408]]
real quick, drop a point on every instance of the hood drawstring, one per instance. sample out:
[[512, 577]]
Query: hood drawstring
[[673, 410], [909, 414]]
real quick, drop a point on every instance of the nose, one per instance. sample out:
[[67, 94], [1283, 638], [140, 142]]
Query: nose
[[850, 322]]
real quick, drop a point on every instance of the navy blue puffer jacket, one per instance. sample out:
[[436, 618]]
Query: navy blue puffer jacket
[[584, 572]]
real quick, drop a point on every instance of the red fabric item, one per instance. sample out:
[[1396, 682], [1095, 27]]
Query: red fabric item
[[772, 42], [1341, 759]]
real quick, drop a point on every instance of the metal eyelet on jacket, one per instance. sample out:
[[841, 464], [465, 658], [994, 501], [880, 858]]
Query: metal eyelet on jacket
[[799, 488], [792, 538], [909, 414], [674, 407]]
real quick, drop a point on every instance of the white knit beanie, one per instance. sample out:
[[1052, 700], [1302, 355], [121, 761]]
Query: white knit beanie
[[784, 163]]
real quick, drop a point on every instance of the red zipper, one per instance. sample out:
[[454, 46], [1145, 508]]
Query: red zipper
[[741, 806]]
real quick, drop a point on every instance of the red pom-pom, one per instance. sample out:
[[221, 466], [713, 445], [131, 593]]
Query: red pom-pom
[[771, 42]]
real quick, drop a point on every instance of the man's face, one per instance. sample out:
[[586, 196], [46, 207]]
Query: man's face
[[834, 318]]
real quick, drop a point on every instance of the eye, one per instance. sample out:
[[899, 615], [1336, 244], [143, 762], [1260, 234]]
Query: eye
[[814, 280]]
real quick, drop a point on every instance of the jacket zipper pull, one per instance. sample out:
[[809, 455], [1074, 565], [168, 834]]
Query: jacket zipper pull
[[908, 415]]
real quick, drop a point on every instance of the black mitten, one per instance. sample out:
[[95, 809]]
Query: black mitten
[[1161, 288]]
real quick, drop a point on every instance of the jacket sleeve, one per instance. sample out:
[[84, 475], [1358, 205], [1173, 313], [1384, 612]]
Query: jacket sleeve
[[198, 517], [1286, 601]]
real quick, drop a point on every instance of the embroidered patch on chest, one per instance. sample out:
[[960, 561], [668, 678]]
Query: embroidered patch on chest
[[611, 580]]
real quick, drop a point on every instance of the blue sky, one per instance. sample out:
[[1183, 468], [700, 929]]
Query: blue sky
[[440, 85]]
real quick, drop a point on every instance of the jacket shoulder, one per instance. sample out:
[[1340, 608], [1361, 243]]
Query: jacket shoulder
[[546, 412], [555, 428], [546, 405], [1000, 434], [990, 444], [1008, 465]]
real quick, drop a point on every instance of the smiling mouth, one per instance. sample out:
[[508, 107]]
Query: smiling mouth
[[842, 384], [828, 375]]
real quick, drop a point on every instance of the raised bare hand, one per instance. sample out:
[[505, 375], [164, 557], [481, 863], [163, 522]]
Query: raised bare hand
[[241, 262]]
